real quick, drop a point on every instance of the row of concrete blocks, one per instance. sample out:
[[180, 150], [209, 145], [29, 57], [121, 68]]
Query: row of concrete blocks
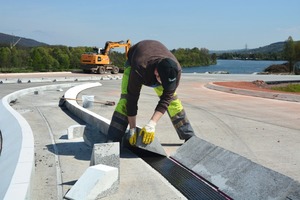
[[62, 79], [102, 177]]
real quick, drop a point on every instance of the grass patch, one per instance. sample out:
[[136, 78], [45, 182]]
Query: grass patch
[[287, 88]]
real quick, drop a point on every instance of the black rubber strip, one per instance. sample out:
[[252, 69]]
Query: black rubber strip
[[191, 186]]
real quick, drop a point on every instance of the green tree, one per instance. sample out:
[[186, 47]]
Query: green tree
[[193, 57], [40, 58], [4, 57], [15, 58], [25, 59], [61, 54], [75, 55], [214, 58], [118, 59], [297, 51], [289, 52]]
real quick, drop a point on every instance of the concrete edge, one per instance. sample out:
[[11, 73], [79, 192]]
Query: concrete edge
[[86, 115], [17, 156], [255, 93], [57, 79]]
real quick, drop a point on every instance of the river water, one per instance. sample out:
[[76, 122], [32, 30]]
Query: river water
[[234, 67]]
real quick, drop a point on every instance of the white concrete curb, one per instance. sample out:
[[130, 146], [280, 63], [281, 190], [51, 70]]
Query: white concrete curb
[[86, 115], [17, 156]]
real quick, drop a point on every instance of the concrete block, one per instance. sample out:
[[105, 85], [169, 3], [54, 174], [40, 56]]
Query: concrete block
[[237, 176], [193, 151], [92, 135], [106, 154], [154, 147], [96, 182], [75, 131]]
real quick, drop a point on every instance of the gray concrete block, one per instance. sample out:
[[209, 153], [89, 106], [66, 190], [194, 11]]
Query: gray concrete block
[[237, 176], [106, 154], [193, 151], [92, 135], [96, 182], [75, 131], [154, 147]]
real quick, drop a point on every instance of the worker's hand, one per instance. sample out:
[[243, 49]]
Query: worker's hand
[[133, 136], [148, 132]]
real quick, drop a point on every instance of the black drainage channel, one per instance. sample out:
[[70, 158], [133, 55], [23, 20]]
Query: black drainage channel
[[189, 184]]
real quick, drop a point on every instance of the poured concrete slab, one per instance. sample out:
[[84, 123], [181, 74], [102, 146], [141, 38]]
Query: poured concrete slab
[[237, 176]]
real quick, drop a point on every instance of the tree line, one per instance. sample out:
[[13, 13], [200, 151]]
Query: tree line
[[251, 56], [194, 57], [40, 59], [63, 58]]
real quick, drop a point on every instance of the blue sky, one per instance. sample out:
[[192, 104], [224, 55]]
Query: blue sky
[[211, 24]]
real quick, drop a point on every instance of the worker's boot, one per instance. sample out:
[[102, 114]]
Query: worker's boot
[[117, 128], [182, 126]]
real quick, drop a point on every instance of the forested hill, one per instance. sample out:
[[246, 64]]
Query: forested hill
[[7, 40], [271, 48]]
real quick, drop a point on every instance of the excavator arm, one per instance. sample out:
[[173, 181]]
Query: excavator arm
[[111, 45]]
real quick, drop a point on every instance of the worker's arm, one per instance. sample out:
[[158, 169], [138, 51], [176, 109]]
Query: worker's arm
[[156, 116], [132, 121], [132, 129]]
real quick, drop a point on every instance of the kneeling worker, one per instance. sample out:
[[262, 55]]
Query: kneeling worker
[[149, 63]]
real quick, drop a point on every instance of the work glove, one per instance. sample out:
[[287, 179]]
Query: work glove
[[133, 136], [148, 132]]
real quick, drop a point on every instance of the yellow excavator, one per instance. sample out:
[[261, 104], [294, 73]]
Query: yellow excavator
[[98, 61]]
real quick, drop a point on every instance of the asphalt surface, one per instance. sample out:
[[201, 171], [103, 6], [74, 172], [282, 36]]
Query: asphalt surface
[[264, 130]]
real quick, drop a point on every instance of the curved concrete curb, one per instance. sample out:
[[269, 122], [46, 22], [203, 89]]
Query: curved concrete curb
[[269, 95], [86, 115], [17, 156]]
